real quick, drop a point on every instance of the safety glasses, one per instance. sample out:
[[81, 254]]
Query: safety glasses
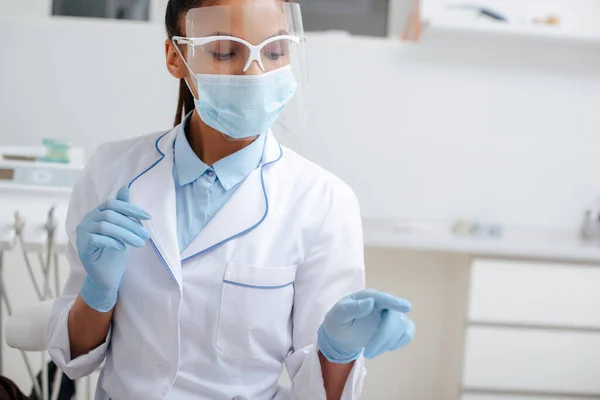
[[228, 54]]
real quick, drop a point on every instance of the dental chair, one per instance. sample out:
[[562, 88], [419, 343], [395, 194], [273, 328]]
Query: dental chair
[[25, 332], [25, 326]]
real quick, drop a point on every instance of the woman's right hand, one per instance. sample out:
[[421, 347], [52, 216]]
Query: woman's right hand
[[102, 240]]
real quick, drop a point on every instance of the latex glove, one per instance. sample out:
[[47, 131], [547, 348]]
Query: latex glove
[[367, 320], [102, 240]]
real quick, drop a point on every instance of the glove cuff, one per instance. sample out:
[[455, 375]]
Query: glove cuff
[[331, 352], [98, 299]]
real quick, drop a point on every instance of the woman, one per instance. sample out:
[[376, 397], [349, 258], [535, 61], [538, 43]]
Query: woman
[[206, 258]]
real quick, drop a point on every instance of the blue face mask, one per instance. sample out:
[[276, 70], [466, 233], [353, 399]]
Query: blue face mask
[[242, 106]]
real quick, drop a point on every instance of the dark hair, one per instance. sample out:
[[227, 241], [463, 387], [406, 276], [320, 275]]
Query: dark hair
[[176, 9]]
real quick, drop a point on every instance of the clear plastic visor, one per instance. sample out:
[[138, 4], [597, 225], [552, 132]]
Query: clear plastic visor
[[245, 39], [265, 37]]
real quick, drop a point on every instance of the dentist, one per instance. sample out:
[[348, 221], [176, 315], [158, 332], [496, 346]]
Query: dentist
[[207, 258]]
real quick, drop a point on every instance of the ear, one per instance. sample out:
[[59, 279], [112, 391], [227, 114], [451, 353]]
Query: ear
[[175, 64]]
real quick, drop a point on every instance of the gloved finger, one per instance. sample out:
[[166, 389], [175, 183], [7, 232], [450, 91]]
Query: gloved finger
[[124, 222], [352, 309], [399, 334], [123, 194], [391, 342], [105, 242], [122, 207], [385, 300], [405, 339], [116, 232], [384, 332]]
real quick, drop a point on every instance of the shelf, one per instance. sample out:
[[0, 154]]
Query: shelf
[[499, 29], [521, 243]]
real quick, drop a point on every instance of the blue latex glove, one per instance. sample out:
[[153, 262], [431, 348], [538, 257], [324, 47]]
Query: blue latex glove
[[367, 320], [102, 239]]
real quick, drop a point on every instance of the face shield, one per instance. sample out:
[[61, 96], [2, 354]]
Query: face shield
[[247, 67]]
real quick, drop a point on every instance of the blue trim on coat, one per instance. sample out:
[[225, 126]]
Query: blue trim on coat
[[256, 286], [262, 180]]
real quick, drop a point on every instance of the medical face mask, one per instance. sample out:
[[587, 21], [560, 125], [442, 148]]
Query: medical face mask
[[242, 106]]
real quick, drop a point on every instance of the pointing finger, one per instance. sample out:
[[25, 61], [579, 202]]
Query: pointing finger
[[385, 301], [122, 207]]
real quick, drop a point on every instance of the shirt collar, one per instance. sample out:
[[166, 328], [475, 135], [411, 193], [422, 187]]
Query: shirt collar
[[234, 168], [230, 170], [187, 164]]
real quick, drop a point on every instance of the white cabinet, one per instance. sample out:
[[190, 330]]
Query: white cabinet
[[512, 397], [533, 361], [533, 329], [535, 294]]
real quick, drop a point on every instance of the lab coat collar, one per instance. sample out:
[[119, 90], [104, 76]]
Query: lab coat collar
[[244, 211], [154, 191]]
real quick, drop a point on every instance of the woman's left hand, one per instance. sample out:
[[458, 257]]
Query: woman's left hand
[[367, 320]]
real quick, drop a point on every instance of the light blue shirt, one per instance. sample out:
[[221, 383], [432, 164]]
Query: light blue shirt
[[202, 190]]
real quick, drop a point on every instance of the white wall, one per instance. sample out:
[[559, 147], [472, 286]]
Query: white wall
[[399, 14], [496, 128], [86, 80], [25, 8], [459, 126], [157, 10]]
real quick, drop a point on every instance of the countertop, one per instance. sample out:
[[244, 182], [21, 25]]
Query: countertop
[[563, 245], [560, 245]]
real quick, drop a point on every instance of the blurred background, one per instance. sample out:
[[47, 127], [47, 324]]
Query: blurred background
[[468, 130]]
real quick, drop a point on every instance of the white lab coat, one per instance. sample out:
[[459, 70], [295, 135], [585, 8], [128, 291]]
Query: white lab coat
[[271, 263]]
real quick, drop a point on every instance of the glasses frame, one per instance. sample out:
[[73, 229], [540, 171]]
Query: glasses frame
[[255, 50]]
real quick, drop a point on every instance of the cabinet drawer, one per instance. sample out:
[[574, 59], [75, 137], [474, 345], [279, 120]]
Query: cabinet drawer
[[537, 361], [535, 293], [511, 397]]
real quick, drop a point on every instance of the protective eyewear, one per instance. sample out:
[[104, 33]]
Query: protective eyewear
[[270, 54]]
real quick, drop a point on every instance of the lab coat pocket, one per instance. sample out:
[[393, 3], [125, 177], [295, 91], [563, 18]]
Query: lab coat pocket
[[255, 315]]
